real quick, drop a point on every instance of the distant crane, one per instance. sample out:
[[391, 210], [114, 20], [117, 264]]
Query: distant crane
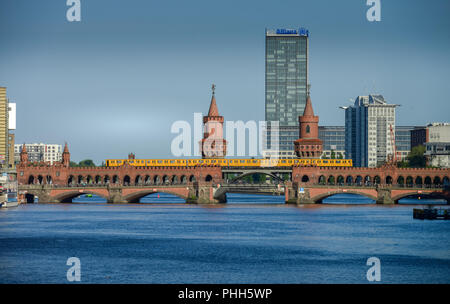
[[394, 148]]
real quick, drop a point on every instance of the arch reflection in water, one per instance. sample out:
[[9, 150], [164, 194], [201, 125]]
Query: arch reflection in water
[[347, 198], [89, 198], [238, 198]]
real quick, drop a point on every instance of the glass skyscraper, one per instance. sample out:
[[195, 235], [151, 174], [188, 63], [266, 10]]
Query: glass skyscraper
[[286, 83]]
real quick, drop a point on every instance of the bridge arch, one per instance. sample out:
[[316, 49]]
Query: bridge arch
[[427, 181], [106, 179], [115, 179], [409, 181], [40, 179], [136, 196], [147, 179], [67, 197], [305, 178], [401, 181], [429, 195], [446, 181], [126, 180], [331, 180], [48, 180], [419, 181], [275, 177], [340, 180], [98, 179], [30, 180], [183, 179], [138, 180], [322, 180], [377, 179], [388, 180], [319, 198], [208, 178], [349, 180], [437, 181]]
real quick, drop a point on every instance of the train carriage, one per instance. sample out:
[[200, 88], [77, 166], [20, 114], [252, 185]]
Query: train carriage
[[231, 162]]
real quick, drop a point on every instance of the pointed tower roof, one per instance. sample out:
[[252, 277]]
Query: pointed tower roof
[[308, 107], [24, 148], [66, 149], [213, 111]]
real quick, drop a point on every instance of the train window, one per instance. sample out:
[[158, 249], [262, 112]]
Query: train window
[[325, 161], [242, 161], [338, 162]]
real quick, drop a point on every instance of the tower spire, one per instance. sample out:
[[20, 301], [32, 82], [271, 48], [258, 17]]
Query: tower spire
[[213, 111]]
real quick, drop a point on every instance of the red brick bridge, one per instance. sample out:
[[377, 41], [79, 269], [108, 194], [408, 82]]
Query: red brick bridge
[[206, 184]]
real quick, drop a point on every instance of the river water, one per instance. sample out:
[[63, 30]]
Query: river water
[[252, 239]]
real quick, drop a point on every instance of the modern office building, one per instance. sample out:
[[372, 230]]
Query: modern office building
[[369, 131], [403, 141], [333, 138], [40, 152], [286, 83]]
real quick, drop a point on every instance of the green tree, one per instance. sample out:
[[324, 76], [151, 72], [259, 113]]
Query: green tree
[[416, 157], [340, 156], [86, 163], [73, 164]]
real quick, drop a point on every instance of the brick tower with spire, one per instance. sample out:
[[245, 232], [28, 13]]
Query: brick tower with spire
[[66, 156], [213, 145], [308, 145], [24, 155]]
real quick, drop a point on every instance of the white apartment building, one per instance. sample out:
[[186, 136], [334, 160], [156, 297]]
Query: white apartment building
[[369, 131], [40, 152]]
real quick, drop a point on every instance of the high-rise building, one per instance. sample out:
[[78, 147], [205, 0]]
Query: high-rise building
[[286, 84], [369, 131]]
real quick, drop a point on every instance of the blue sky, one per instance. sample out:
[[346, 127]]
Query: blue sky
[[116, 81]]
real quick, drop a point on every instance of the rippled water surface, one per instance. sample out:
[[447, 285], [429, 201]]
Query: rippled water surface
[[252, 239]]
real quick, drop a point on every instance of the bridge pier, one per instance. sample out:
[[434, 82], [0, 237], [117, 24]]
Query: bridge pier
[[205, 194], [384, 196], [115, 195], [296, 194]]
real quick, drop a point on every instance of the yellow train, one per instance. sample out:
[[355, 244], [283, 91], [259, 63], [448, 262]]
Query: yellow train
[[282, 162]]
